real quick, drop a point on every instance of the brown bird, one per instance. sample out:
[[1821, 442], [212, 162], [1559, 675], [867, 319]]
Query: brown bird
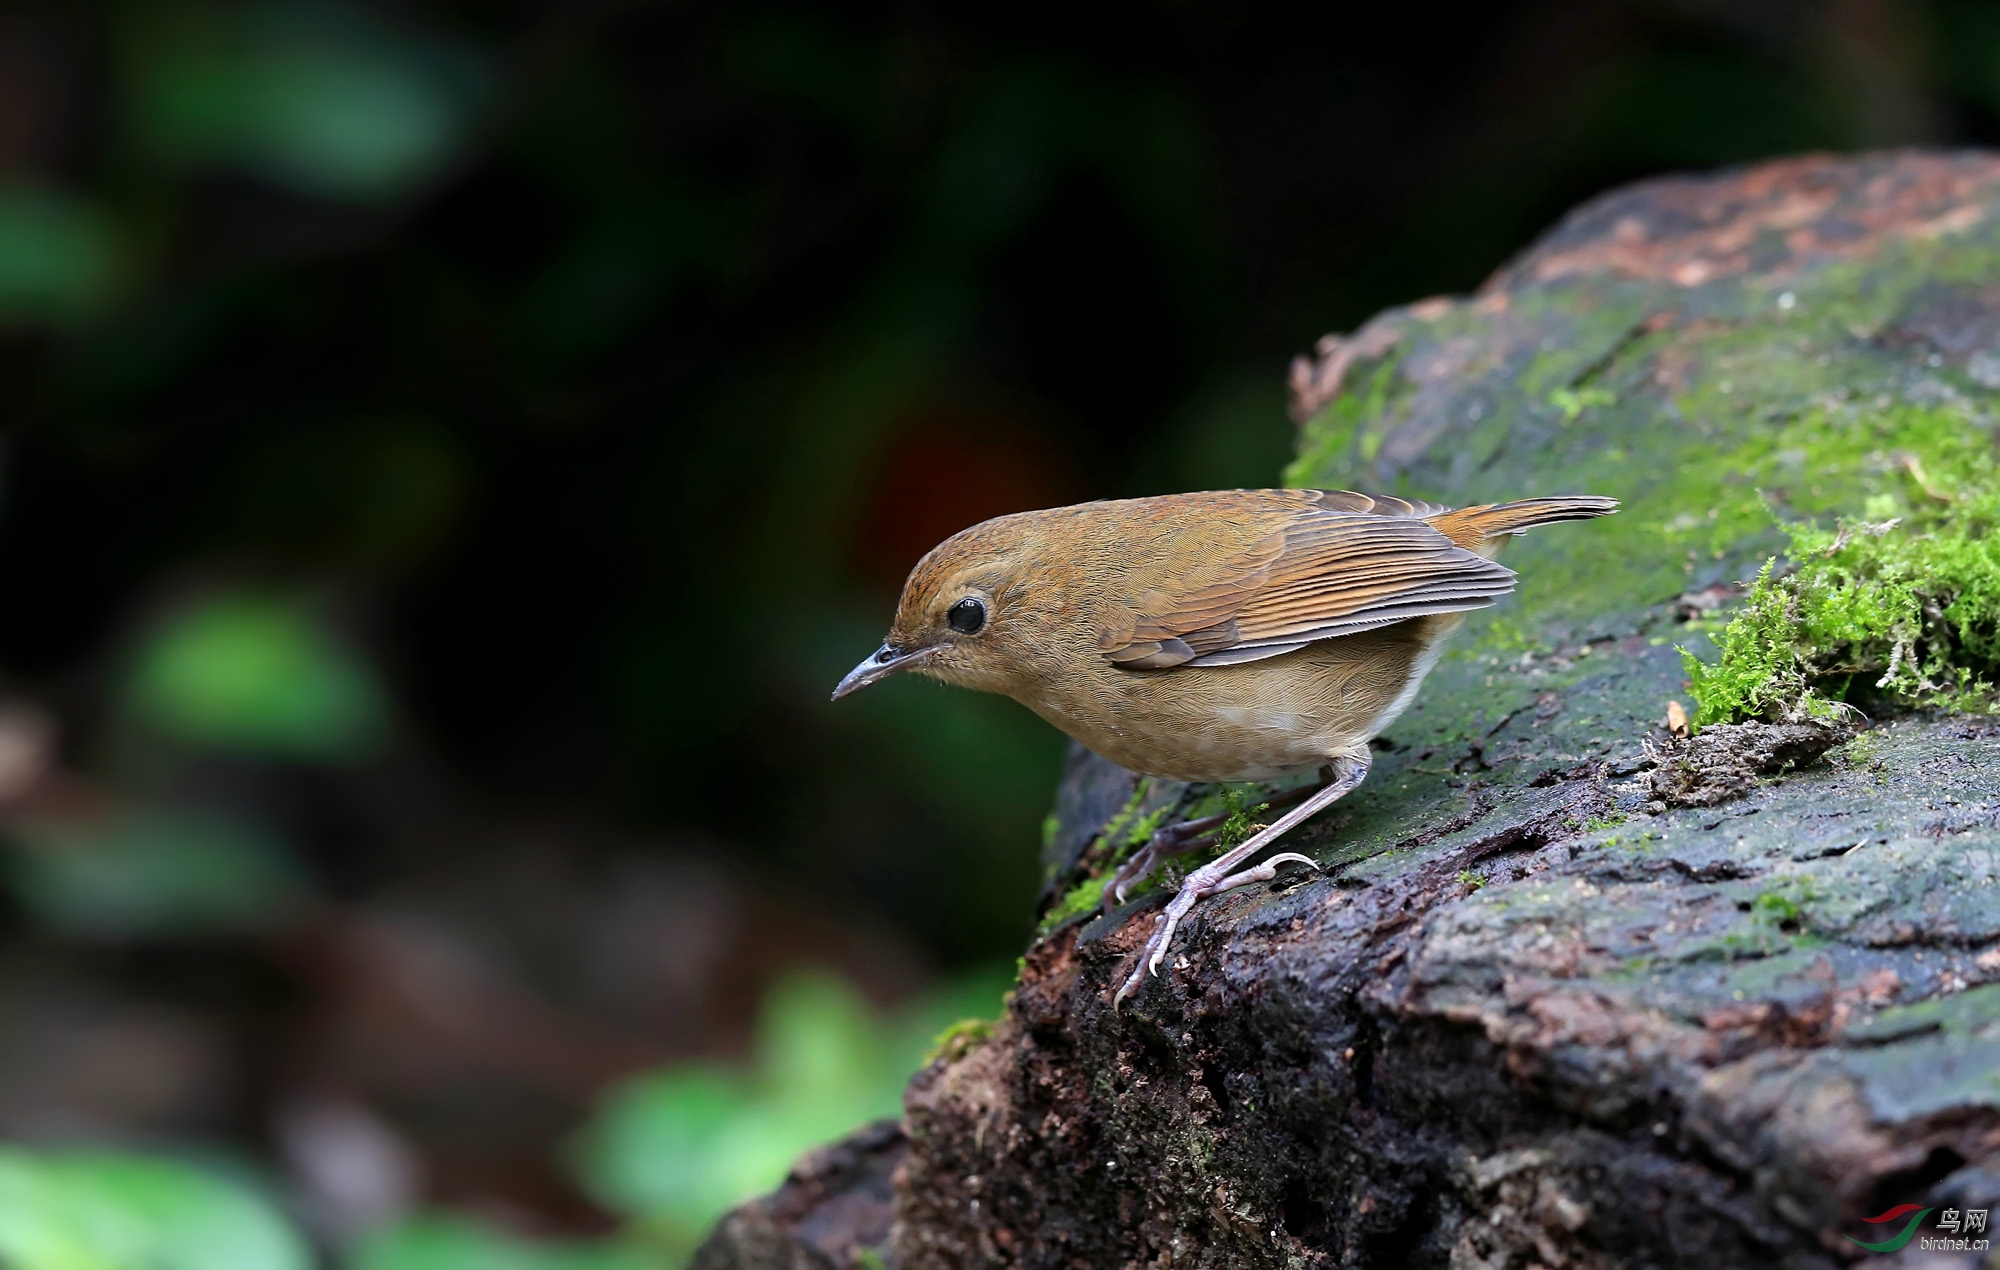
[[1228, 636]]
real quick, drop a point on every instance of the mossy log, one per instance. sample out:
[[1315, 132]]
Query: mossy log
[[1571, 990]]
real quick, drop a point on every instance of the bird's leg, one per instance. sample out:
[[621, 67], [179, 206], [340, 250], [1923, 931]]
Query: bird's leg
[[1216, 876], [1171, 840], [1179, 839]]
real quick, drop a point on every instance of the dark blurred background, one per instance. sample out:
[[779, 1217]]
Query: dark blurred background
[[452, 449]]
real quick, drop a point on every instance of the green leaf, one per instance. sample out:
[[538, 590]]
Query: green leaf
[[457, 1243], [90, 1210], [669, 1144], [57, 257], [676, 1148], [257, 673], [151, 872], [320, 97]]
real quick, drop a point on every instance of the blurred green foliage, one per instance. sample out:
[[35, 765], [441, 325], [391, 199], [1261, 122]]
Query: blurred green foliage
[[152, 872], [458, 1243], [677, 1148], [99, 1210], [58, 258], [258, 673], [670, 1151], [329, 99]]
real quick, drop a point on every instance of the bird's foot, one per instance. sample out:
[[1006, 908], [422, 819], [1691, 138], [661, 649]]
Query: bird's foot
[[1202, 883], [1177, 839], [1182, 838], [1221, 874]]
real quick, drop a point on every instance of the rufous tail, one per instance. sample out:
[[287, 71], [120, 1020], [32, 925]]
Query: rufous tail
[[1472, 527]]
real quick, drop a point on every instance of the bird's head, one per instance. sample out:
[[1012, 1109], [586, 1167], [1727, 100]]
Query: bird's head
[[965, 615]]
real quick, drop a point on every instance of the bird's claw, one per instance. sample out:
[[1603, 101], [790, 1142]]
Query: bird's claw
[[1179, 838], [1215, 877], [1121, 885], [1200, 885], [1137, 976], [1163, 843], [1276, 860]]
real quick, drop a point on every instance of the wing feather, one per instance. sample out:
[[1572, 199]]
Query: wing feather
[[1333, 565]]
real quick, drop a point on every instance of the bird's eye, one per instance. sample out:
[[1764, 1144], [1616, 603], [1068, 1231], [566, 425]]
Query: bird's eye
[[967, 616]]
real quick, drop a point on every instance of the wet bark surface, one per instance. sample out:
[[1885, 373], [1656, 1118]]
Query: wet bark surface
[[834, 1208], [1571, 990]]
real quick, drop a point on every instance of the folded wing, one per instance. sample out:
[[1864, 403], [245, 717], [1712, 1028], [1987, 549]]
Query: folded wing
[[1337, 565]]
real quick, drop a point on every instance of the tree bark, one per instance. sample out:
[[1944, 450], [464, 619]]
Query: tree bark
[[1572, 991]]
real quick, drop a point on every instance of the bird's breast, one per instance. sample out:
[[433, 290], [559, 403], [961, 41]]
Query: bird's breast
[[1254, 721]]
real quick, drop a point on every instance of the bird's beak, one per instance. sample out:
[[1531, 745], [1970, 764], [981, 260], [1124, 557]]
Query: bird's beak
[[882, 663]]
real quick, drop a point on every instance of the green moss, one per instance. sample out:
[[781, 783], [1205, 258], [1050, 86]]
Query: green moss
[[1574, 401], [1081, 898], [1142, 831], [1696, 427], [1327, 443], [957, 1038], [1466, 877], [1241, 823], [1908, 604], [1863, 750], [1765, 670], [1127, 831], [1127, 828], [1968, 1013], [1775, 906]]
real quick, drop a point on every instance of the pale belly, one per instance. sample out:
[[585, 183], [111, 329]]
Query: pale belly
[[1256, 721]]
